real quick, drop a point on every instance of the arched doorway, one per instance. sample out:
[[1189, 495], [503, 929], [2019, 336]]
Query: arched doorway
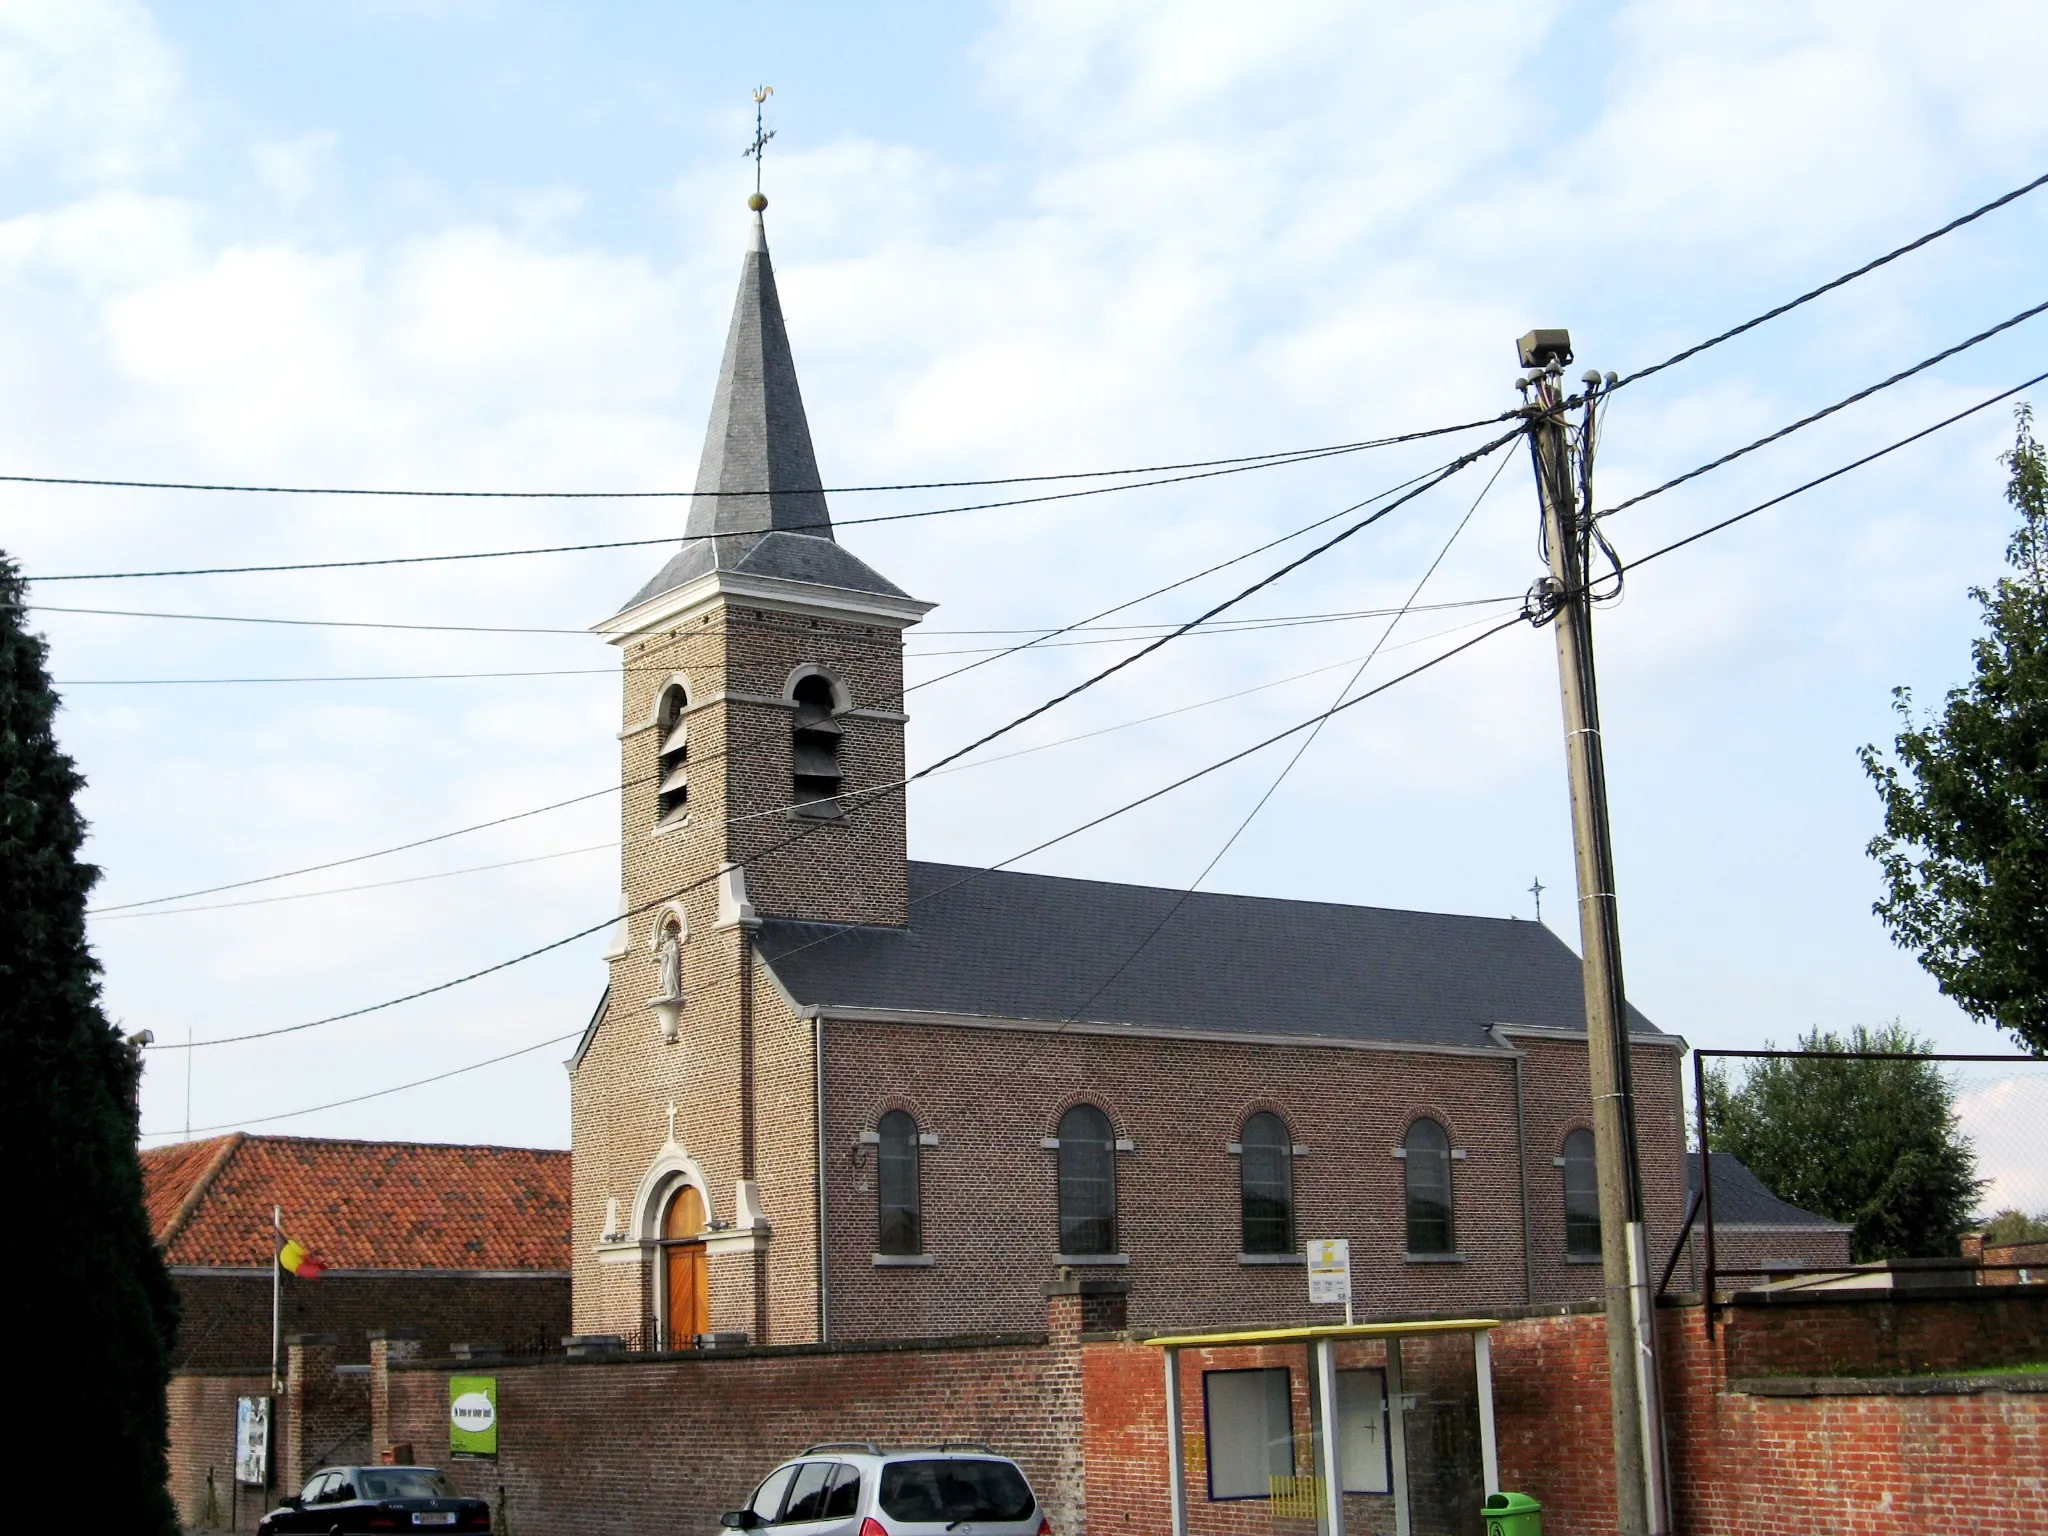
[[685, 1273]]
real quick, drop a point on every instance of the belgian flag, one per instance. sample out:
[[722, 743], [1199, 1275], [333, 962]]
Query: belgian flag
[[298, 1258]]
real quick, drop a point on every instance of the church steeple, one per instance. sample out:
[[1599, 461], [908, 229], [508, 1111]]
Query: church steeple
[[760, 504], [759, 471]]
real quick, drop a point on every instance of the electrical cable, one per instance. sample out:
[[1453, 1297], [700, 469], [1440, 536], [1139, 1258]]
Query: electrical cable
[[1269, 741], [1826, 411], [694, 495], [378, 1093], [348, 890], [1287, 768], [1830, 286], [1143, 800], [1145, 597], [687, 539], [1819, 480], [862, 798], [1223, 627]]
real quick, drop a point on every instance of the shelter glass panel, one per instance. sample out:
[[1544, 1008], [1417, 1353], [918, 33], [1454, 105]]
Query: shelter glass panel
[[1248, 1427]]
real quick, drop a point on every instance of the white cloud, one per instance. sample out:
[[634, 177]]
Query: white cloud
[[88, 88]]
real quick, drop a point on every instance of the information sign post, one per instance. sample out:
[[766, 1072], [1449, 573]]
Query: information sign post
[[1329, 1272]]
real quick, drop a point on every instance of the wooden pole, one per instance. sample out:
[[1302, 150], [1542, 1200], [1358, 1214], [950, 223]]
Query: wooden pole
[[1641, 1503]]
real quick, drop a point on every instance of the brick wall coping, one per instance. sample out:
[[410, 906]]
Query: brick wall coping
[[1982, 1295], [1965, 1384], [262, 1272], [199, 1371], [744, 1352]]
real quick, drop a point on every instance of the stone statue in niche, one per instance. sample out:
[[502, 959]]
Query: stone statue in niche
[[671, 957], [668, 1002]]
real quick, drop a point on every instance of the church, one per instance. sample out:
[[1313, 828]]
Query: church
[[833, 1094]]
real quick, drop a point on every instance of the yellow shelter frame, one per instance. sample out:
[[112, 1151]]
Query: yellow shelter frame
[[1321, 1343]]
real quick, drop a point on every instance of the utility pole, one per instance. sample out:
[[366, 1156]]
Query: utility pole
[[1564, 600]]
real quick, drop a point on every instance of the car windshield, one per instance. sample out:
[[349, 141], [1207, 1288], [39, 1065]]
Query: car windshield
[[954, 1489], [403, 1483]]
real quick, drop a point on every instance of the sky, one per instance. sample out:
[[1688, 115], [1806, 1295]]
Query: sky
[[494, 245]]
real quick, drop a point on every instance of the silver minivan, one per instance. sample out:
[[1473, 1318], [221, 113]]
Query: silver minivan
[[856, 1488]]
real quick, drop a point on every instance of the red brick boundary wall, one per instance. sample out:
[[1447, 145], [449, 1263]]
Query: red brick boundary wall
[[598, 1447], [202, 1405], [1837, 1430], [1865, 1443]]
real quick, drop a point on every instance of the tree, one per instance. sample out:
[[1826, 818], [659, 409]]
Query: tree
[[1964, 851], [1872, 1143], [94, 1311]]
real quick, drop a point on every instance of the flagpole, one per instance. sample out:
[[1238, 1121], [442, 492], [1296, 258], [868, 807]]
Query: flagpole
[[276, 1253]]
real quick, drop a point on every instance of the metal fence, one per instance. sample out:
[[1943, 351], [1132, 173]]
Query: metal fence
[[2000, 1109]]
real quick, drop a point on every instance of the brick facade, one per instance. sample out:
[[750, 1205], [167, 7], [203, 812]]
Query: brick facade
[[989, 1192]]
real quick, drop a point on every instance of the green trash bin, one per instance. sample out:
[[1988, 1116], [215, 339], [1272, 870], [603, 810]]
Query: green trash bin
[[1513, 1514]]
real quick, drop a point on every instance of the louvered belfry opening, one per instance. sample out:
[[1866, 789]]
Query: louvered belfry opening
[[672, 762], [814, 749]]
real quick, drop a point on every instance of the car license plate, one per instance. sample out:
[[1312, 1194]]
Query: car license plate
[[435, 1517]]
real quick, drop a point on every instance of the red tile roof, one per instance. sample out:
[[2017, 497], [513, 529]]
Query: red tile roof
[[360, 1204]]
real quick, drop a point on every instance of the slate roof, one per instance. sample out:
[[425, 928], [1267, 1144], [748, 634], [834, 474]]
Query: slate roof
[[770, 518], [359, 1204], [1008, 946], [1741, 1199]]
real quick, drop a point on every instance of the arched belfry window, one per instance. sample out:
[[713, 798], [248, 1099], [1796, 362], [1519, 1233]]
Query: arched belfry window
[[900, 1228], [1428, 1166], [1265, 1169], [1581, 1197], [814, 748], [1087, 1194], [672, 762]]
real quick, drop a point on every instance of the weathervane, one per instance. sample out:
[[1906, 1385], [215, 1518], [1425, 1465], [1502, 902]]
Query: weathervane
[[1536, 889], [753, 151]]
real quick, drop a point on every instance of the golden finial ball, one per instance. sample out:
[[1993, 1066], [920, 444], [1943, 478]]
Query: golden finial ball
[[757, 202]]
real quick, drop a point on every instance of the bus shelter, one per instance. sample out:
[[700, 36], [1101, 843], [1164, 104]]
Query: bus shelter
[[1336, 1416]]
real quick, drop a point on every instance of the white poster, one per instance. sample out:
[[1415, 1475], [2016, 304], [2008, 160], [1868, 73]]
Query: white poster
[[252, 1441], [1362, 1430], [1329, 1270]]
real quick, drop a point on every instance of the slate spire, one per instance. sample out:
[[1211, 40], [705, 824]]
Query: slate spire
[[758, 443]]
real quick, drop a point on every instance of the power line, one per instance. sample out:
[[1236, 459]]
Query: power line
[[1818, 480], [242, 618], [1223, 627], [1253, 459], [686, 539], [863, 798], [1826, 411], [347, 890], [1834, 283], [1287, 768], [1159, 591], [418, 1082], [311, 869], [1239, 756], [1027, 853]]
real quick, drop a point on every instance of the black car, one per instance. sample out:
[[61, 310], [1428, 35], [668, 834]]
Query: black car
[[376, 1499]]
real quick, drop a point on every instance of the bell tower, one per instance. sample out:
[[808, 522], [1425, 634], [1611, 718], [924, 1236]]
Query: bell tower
[[762, 759]]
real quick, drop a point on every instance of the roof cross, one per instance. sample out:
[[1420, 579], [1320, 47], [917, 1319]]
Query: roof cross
[[1536, 889]]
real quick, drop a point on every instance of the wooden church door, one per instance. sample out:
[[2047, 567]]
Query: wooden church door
[[686, 1273]]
